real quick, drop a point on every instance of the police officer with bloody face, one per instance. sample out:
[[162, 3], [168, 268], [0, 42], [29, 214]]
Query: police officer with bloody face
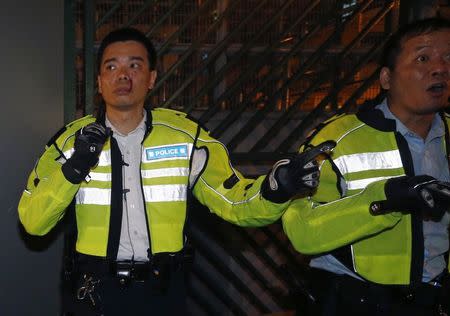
[[127, 177]]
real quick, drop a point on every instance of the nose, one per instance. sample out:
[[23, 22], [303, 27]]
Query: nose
[[123, 75], [441, 68]]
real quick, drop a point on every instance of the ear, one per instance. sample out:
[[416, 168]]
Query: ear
[[151, 82], [99, 84], [385, 78]]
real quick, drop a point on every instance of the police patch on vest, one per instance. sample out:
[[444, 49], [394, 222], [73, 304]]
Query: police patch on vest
[[166, 152]]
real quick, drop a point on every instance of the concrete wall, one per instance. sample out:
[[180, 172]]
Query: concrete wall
[[31, 94]]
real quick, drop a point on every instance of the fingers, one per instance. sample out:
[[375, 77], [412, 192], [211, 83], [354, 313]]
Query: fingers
[[310, 164], [95, 129], [311, 180], [96, 133], [315, 151], [441, 188], [427, 198]]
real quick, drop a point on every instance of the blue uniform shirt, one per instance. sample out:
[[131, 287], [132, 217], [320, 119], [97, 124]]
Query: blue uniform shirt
[[429, 158]]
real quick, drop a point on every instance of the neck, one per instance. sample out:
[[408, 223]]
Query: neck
[[124, 121], [417, 123]]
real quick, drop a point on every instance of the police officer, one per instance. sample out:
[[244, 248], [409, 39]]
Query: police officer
[[129, 172], [377, 224]]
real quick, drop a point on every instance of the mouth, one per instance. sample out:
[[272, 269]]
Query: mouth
[[437, 88], [124, 89]]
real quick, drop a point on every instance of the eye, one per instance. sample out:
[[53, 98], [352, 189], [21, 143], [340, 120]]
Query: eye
[[110, 67], [422, 58], [447, 57], [135, 65]]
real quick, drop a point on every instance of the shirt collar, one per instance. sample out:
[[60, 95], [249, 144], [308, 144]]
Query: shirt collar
[[140, 127], [437, 126]]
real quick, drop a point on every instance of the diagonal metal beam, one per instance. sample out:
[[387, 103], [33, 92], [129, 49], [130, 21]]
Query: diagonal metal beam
[[182, 28], [193, 47], [270, 77], [164, 17], [360, 91], [305, 124], [144, 7], [282, 121], [300, 128], [215, 52], [228, 274], [198, 298], [255, 64], [217, 291], [108, 14], [259, 115]]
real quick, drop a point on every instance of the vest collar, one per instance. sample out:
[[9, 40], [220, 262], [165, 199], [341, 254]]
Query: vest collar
[[374, 117], [101, 118]]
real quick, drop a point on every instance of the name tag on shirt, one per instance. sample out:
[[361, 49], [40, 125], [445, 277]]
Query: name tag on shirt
[[166, 152]]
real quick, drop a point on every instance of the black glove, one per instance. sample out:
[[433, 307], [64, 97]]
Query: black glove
[[296, 175], [411, 194], [440, 191], [89, 142]]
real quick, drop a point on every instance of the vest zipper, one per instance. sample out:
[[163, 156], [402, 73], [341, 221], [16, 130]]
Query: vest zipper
[[149, 250]]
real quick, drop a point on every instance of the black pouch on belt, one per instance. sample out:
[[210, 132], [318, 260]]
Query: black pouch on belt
[[162, 265]]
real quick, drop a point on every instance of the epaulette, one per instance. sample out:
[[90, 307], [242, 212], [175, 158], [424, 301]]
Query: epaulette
[[320, 126], [176, 119], [80, 120], [53, 139]]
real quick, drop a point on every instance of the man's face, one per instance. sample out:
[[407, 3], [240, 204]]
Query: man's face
[[125, 77], [419, 82]]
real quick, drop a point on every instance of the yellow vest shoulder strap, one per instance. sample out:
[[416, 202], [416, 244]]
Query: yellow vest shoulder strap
[[174, 119]]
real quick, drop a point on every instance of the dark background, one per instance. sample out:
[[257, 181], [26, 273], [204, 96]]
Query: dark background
[[31, 100]]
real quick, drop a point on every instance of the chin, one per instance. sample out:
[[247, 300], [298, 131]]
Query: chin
[[431, 109], [120, 107]]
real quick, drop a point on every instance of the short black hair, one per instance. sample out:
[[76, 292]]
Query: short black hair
[[393, 46], [127, 34]]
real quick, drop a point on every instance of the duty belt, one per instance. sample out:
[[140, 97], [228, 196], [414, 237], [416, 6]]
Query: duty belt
[[161, 266]]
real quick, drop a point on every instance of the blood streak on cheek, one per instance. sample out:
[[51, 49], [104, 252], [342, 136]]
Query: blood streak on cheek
[[130, 87]]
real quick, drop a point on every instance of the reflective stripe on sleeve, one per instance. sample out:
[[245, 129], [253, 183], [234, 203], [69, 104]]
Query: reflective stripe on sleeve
[[93, 196], [165, 193], [68, 153], [361, 184], [369, 161]]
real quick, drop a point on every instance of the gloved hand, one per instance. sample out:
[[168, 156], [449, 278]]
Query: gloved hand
[[296, 175], [88, 145], [412, 194]]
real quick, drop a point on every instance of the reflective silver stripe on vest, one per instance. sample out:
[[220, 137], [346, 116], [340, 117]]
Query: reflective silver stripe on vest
[[361, 184], [369, 161], [165, 172], [93, 196], [165, 193], [68, 153], [103, 160], [98, 176]]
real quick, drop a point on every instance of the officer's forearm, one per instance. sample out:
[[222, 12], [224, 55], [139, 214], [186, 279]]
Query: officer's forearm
[[41, 207]]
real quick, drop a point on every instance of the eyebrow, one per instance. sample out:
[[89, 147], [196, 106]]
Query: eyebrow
[[425, 46], [130, 58], [137, 58], [422, 47]]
